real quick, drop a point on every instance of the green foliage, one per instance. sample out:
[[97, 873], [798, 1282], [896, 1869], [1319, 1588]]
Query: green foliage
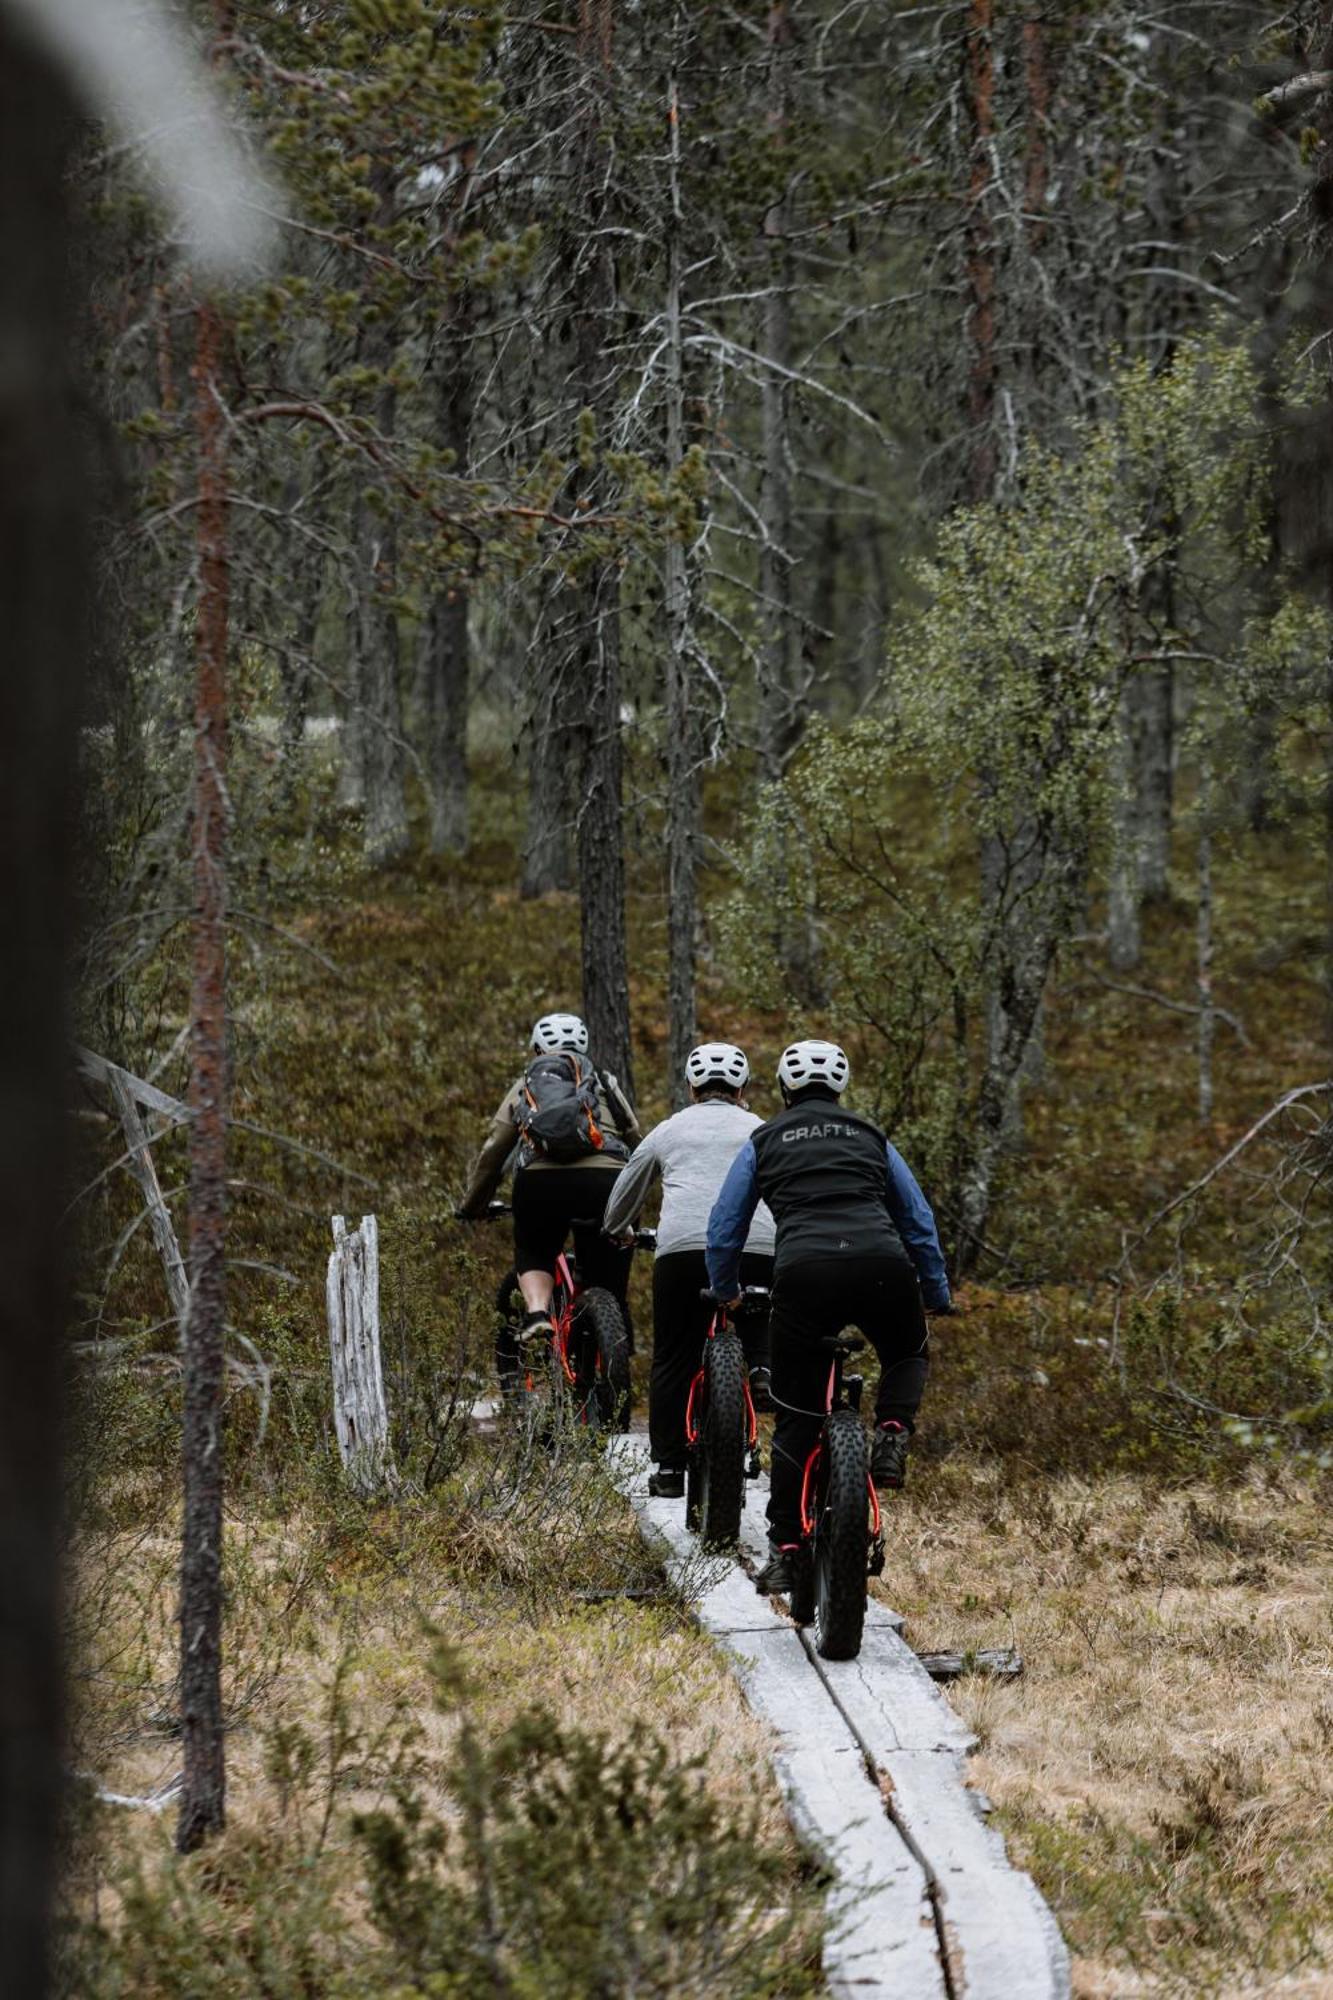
[[545, 1860], [578, 1863]]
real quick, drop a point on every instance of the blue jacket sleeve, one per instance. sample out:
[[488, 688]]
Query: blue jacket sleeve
[[729, 1222], [915, 1223]]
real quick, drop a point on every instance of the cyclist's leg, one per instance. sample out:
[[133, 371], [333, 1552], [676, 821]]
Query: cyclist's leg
[[756, 1269], [601, 1262], [890, 1314], [800, 1374], [541, 1223], [680, 1322]]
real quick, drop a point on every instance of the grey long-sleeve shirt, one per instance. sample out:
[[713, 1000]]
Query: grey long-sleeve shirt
[[692, 1152]]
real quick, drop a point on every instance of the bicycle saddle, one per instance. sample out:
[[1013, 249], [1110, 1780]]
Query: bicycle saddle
[[843, 1343]]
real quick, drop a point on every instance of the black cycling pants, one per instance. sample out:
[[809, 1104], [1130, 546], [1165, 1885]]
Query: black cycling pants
[[680, 1327], [879, 1296], [547, 1205]]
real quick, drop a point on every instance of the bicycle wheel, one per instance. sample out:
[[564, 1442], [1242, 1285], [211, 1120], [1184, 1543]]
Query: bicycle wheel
[[601, 1362], [717, 1466], [840, 1540]]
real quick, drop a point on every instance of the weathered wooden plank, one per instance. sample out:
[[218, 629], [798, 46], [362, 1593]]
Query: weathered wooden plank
[[889, 1699], [1003, 1942], [884, 1940], [361, 1417]]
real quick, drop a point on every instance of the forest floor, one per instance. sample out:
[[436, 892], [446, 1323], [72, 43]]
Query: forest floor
[[1162, 1766]]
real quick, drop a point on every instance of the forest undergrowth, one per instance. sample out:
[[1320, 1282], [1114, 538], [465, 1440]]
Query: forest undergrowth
[[473, 1744]]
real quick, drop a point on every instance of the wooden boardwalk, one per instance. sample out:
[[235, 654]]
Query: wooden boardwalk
[[926, 1905]]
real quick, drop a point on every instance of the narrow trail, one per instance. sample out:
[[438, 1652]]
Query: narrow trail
[[925, 1904]]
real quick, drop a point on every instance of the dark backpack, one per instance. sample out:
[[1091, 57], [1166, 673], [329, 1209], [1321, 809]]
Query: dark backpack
[[558, 1107]]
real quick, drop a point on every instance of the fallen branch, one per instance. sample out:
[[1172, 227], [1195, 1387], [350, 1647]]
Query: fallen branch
[[1283, 1103], [1164, 1000]]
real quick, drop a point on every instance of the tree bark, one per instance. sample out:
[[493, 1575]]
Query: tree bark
[[203, 1799], [780, 717], [375, 622], [1124, 932], [597, 678], [1204, 941], [448, 643], [1154, 699], [980, 257], [683, 746], [548, 859], [46, 585]]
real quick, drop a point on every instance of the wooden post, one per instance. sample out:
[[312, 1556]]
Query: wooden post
[[359, 1410]]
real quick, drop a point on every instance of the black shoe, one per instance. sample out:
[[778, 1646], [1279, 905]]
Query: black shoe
[[667, 1483], [761, 1391], [779, 1572], [888, 1456]]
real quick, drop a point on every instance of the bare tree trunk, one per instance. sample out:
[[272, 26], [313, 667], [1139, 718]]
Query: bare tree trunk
[[1154, 697], [203, 1799], [548, 860], [1036, 892], [46, 586], [375, 622], [1124, 933], [597, 682], [448, 642], [780, 717], [683, 747], [982, 370], [1207, 1008]]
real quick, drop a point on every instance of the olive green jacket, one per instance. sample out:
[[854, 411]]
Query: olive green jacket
[[614, 1114]]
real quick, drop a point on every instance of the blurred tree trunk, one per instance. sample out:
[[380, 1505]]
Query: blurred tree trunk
[[46, 586], [683, 735], [1321, 249], [548, 861], [203, 1798], [448, 646], [375, 642], [780, 717], [597, 677], [783, 680], [982, 366]]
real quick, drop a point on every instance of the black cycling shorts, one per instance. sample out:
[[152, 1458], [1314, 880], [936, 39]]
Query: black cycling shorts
[[547, 1203]]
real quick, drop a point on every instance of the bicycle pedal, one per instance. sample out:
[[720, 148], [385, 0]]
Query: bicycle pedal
[[754, 1465], [875, 1559]]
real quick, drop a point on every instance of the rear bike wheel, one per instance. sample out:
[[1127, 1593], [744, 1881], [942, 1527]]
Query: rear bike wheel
[[715, 1481], [600, 1359], [840, 1540]]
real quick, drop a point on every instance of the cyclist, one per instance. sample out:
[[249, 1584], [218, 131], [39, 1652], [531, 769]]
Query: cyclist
[[856, 1245], [691, 1152], [551, 1195]]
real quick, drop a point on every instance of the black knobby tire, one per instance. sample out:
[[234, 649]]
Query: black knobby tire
[[840, 1540], [716, 1479], [601, 1362], [801, 1600]]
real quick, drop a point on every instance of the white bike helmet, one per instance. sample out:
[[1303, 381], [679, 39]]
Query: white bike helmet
[[717, 1062], [813, 1062], [559, 1031]]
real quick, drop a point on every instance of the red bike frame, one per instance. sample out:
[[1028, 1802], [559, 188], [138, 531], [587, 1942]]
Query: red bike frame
[[811, 1473], [718, 1324]]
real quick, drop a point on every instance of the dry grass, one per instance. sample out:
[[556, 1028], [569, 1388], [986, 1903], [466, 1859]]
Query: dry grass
[[1163, 1764]]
